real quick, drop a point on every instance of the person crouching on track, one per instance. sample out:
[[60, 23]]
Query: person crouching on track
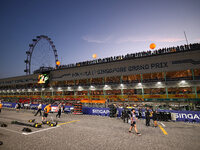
[[39, 110], [133, 122], [46, 111], [59, 111]]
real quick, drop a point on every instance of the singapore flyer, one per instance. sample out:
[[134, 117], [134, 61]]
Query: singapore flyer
[[42, 55]]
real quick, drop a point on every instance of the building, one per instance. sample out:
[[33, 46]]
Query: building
[[168, 75]]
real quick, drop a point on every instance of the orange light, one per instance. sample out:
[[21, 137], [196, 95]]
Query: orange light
[[152, 45], [58, 63], [94, 56]]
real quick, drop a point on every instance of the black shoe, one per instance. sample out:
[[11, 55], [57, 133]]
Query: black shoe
[[129, 131]]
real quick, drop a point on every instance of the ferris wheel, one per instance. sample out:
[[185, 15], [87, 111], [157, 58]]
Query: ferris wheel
[[45, 54]]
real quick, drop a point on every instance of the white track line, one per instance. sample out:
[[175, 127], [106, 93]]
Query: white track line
[[40, 130], [162, 124], [10, 130]]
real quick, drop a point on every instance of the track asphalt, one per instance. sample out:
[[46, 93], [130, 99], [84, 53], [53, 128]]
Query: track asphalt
[[84, 132]]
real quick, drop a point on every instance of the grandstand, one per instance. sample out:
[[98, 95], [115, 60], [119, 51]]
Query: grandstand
[[168, 75]]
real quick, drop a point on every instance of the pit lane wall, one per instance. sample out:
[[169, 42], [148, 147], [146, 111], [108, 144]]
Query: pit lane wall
[[185, 116]]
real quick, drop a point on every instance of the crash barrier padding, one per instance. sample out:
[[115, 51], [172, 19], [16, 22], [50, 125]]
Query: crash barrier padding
[[186, 116]]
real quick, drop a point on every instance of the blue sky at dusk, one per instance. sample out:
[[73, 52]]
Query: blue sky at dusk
[[80, 28]]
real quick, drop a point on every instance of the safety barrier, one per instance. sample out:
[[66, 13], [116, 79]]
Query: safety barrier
[[186, 116]]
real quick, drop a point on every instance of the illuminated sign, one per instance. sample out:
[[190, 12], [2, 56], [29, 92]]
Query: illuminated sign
[[43, 78]]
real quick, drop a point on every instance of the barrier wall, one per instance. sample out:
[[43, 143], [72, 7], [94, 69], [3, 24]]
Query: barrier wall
[[186, 116]]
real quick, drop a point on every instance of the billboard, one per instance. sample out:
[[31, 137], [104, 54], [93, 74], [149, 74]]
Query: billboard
[[43, 78]]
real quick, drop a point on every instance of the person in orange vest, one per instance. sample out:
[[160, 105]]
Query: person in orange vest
[[46, 111], [1, 105]]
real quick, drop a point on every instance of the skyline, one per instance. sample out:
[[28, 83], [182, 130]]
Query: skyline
[[80, 29]]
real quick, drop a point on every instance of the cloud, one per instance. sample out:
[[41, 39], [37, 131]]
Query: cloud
[[197, 40], [91, 40], [169, 40], [138, 39], [130, 39], [95, 40]]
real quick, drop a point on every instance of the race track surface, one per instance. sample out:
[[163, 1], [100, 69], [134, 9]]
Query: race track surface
[[84, 132]]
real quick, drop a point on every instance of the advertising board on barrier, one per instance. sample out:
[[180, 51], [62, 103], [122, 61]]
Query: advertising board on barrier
[[9, 105], [104, 111], [188, 116]]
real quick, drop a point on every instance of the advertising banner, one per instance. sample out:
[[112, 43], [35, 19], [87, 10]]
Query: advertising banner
[[9, 105], [187, 116]]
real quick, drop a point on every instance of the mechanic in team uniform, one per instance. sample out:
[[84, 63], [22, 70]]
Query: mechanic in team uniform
[[46, 111], [139, 113], [1, 105], [125, 114], [147, 115]]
